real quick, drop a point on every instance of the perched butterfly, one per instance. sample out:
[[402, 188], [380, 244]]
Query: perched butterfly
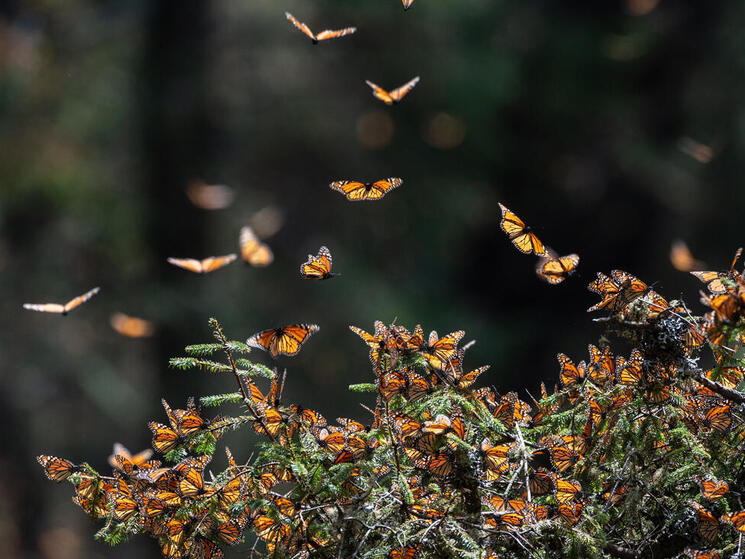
[[130, 326], [708, 525], [570, 513], [323, 35], [737, 520], [286, 340], [318, 267], [408, 552], [554, 269], [357, 190], [567, 490], [707, 554], [57, 469], [618, 291], [571, 374], [62, 309], [712, 489], [253, 251], [438, 351], [203, 266], [682, 259], [407, 4], [519, 233], [394, 96]]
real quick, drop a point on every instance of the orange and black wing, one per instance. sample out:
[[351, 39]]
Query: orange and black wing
[[381, 187], [554, 270], [380, 93], [399, 93], [285, 341], [190, 264], [519, 233], [357, 190], [216, 262], [317, 267], [300, 25], [57, 469]]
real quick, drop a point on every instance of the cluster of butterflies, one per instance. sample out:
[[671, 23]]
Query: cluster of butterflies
[[551, 268]]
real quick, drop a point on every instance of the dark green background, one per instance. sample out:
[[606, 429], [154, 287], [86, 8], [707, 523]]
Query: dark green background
[[574, 114]]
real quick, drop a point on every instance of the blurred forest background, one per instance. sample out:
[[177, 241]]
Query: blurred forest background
[[611, 127]]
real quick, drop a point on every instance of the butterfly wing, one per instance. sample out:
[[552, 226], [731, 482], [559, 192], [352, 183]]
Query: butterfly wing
[[190, 264], [397, 94], [329, 34], [555, 270], [380, 93], [57, 469], [381, 187], [216, 262], [77, 301], [45, 307], [292, 338], [300, 25], [407, 3], [353, 190], [130, 326]]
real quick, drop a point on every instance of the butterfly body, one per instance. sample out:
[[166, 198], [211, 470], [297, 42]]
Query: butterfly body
[[357, 190]]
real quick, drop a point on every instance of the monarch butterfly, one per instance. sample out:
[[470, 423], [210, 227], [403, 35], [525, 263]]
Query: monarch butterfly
[[601, 367], [62, 309], [715, 281], [253, 251], [507, 519], [495, 459], [125, 507], [519, 233], [440, 464], [286, 340], [503, 505], [131, 326], [542, 483], [376, 343], [318, 267], [708, 525], [571, 374], [630, 373], [567, 490], [440, 350], [719, 418], [407, 4], [165, 439], [618, 291], [203, 266], [271, 531], [394, 96], [737, 520], [554, 269], [356, 191], [712, 489], [323, 35], [206, 549], [682, 259], [57, 469], [192, 484], [570, 513]]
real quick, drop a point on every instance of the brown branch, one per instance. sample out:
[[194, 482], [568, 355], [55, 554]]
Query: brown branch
[[728, 393]]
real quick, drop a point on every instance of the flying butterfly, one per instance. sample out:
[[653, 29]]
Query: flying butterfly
[[407, 4], [395, 95], [356, 191], [554, 269], [62, 309], [682, 259], [286, 340], [519, 233], [323, 35], [131, 326], [253, 251], [318, 267], [203, 266]]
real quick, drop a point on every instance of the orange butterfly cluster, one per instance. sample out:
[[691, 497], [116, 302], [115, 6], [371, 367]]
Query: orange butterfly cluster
[[551, 268]]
